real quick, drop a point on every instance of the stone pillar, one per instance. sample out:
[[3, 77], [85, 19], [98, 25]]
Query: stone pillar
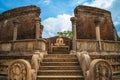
[[37, 35], [97, 22], [97, 32], [37, 27], [16, 23], [115, 34], [74, 43]]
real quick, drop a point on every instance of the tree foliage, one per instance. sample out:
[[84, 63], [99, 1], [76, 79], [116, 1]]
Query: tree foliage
[[67, 34]]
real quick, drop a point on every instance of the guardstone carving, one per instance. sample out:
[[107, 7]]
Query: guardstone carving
[[100, 70], [19, 70]]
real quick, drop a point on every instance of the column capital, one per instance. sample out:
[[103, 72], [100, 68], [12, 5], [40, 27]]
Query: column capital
[[97, 21], [38, 19], [73, 19], [15, 22]]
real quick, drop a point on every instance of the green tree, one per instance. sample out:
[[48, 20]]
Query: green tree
[[67, 34]]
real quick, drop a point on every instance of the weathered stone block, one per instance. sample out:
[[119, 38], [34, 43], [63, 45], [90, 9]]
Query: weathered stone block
[[5, 47]]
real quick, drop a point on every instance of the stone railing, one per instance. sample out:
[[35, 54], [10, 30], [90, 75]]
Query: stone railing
[[35, 62], [93, 45], [23, 45], [96, 69], [84, 60]]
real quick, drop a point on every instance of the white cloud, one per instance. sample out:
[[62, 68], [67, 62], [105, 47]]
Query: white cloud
[[45, 2], [105, 4], [53, 25], [78, 2]]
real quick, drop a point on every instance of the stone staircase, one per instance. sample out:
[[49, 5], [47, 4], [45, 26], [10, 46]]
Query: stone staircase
[[60, 67]]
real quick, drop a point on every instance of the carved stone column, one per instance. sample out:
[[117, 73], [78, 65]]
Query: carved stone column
[[74, 43], [97, 22], [37, 27], [37, 35], [115, 35], [41, 30], [16, 23]]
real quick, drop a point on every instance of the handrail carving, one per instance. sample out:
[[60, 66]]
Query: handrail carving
[[98, 69], [35, 62], [84, 60]]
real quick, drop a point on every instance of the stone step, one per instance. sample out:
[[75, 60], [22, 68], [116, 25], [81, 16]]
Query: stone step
[[60, 52], [116, 77], [69, 77], [3, 74], [59, 64], [59, 72], [60, 60], [3, 78], [60, 56], [60, 68], [116, 73]]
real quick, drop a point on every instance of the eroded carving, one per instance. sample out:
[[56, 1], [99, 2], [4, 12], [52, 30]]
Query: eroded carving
[[35, 62], [84, 60], [19, 70], [100, 70]]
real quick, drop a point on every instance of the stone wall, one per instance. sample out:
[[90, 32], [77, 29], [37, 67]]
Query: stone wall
[[85, 24], [26, 27], [23, 45], [93, 45]]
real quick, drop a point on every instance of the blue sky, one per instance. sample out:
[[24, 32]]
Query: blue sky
[[55, 14]]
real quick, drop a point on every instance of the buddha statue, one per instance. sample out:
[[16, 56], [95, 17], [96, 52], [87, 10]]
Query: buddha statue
[[59, 41]]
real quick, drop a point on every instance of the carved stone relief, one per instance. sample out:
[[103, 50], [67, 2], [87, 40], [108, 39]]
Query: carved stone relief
[[100, 70], [19, 70]]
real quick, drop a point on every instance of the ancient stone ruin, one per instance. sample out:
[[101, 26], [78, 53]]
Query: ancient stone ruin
[[89, 18], [24, 19], [92, 54]]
